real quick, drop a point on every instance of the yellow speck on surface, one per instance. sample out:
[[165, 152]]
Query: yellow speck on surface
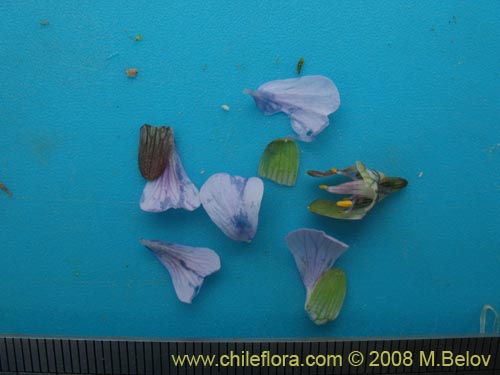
[[225, 107], [131, 72], [45, 23], [138, 38], [323, 186], [334, 170], [345, 203]]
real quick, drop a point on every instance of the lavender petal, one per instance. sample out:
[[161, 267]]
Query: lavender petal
[[173, 189], [188, 266], [307, 101], [314, 252], [233, 204]]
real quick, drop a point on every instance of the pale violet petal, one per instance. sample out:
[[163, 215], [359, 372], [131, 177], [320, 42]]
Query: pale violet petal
[[233, 204], [306, 100], [314, 252], [173, 189], [188, 266], [308, 124]]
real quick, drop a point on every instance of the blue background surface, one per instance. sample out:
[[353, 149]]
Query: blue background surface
[[420, 90]]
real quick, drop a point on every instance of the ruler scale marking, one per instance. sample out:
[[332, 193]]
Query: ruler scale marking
[[46, 356]]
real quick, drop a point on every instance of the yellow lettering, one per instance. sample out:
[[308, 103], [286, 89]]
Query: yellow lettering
[[426, 361], [446, 358], [460, 360], [254, 360]]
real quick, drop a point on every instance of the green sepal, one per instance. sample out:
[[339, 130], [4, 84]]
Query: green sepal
[[329, 208], [393, 183], [327, 297], [280, 162]]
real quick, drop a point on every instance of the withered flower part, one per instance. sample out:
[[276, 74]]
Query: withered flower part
[[154, 150], [168, 184]]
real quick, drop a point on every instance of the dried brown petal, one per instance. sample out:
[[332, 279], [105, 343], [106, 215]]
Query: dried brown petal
[[155, 146]]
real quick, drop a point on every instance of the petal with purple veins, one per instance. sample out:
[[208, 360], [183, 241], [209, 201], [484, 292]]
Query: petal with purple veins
[[233, 204], [188, 266], [306, 100], [314, 252], [173, 189]]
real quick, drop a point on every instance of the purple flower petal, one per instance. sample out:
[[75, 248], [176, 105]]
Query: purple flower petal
[[307, 101], [314, 252], [233, 204], [173, 189], [188, 266], [358, 187]]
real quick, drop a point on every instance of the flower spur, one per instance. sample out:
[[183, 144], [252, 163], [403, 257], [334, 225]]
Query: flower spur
[[366, 188]]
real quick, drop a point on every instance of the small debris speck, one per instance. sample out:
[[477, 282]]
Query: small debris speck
[[202, 171], [225, 107], [4, 188], [45, 23], [493, 148], [112, 55], [204, 67], [131, 72], [420, 174], [138, 38], [299, 65]]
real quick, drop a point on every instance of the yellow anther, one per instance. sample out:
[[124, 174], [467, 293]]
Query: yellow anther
[[323, 186], [334, 170], [345, 203]]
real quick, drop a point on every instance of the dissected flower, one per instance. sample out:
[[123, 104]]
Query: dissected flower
[[173, 188], [280, 161], [233, 204], [366, 188], [307, 101], [188, 266], [315, 253]]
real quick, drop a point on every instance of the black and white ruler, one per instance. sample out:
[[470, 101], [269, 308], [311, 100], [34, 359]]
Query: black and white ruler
[[454, 355]]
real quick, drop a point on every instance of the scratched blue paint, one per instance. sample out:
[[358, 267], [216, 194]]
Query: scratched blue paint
[[420, 92]]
